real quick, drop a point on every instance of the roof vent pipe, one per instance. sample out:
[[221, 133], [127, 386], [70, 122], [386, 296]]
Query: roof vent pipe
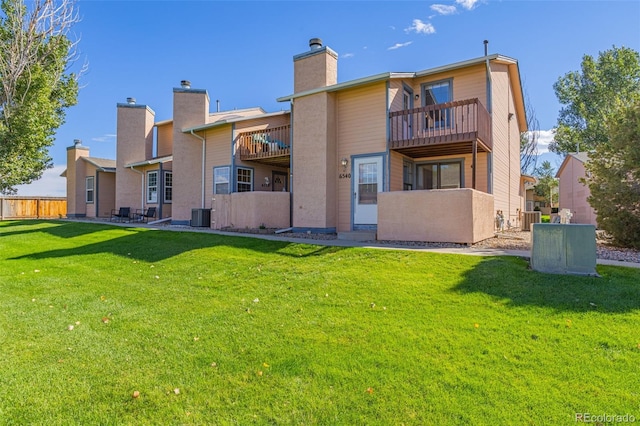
[[77, 142], [315, 43], [186, 84], [131, 101], [486, 47], [217, 105]]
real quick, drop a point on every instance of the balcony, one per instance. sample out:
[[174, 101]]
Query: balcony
[[459, 127], [269, 146]]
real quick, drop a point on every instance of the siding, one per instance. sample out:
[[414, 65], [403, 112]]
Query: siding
[[361, 129], [506, 145]]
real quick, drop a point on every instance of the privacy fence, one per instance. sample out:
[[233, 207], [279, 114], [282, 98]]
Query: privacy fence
[[32, 207]]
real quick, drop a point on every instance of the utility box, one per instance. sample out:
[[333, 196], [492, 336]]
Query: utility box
[[564, 248], [529, 218], [201, 218]]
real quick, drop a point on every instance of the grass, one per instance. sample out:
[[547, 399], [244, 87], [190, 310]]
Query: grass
[[221, 330]]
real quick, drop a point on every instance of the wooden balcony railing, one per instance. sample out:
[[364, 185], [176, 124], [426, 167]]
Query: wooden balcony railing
[[269, 145], [448, 123]]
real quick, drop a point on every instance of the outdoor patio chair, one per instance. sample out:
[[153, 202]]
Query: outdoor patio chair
[[121, 215], [144, 215]]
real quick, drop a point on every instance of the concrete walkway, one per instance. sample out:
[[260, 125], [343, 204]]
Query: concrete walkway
[[526, 254]]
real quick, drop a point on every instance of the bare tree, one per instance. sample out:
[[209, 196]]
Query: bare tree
[[529, 140]]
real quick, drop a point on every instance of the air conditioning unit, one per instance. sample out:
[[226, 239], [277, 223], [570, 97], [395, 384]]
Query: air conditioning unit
[[529, 218], [201, 218]]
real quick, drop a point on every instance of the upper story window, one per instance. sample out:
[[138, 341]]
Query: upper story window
[[89, 187], [244, 182], [152, 187], [221, 180], [438, 93], [168, 187]]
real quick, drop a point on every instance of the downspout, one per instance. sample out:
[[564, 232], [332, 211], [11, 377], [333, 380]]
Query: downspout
[[203, 165], [291, 147], [141, 187], [490, 110]]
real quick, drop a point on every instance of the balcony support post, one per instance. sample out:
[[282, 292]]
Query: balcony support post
[[474, 158]]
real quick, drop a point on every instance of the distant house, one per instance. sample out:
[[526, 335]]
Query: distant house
[[91, 183], [573, 193], [425, 156]]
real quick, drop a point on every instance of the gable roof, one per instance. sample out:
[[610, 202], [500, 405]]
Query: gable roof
[[512, 63], [101, 164], [582, 157]]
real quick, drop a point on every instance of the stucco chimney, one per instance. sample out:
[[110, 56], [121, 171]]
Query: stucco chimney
[[315, 68]]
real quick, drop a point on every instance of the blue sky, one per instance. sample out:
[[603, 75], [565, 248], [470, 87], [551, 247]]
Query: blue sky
[[241, 52]]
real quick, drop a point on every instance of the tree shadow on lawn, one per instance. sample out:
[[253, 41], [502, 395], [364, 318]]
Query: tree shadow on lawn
[[153, 245], [53, 227], [617, 290]]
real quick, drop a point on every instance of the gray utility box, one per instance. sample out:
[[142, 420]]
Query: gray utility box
[[201, 218], [563, 248]]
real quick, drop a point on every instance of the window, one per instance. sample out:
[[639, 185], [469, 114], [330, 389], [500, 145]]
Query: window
[[168, 187], [443, 175], [221, 180], [434, 94], [368, 183], [152, 187], [244, 181], [89, 189], [407, 175]]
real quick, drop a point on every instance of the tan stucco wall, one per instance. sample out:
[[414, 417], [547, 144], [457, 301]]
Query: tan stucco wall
[[250, 210], [314, 158], [573, 193], [190, 108], [76, 180], [106, 193], [317, 69], [134, 143], [445, 215]]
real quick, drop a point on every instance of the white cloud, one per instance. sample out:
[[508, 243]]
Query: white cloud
[[348, 55], [420, 27], [392, 27], [105, 138], [399, 45], [467, 4], [443, 9], [49, 185], [544, 139]]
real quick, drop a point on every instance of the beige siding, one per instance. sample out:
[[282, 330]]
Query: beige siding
[[361, 129], [506, 145], [164, 140], [573, 194], [218, 153], [396, 181]]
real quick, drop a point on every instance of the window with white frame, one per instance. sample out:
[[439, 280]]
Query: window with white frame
[[168, 187], [90, 189], [244, 181], [221, 180], [152, 187]]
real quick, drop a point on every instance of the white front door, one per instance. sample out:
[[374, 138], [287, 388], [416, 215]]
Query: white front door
[[367, 182]]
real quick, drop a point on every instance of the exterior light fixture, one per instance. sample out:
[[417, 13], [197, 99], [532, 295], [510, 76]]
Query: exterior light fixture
[[266, 181], [417, 96], [344, 162]]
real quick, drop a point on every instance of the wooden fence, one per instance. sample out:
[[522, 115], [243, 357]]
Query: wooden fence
[[32, 207]]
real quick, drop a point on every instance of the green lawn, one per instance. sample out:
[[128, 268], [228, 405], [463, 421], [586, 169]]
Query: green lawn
[[220, 330]]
